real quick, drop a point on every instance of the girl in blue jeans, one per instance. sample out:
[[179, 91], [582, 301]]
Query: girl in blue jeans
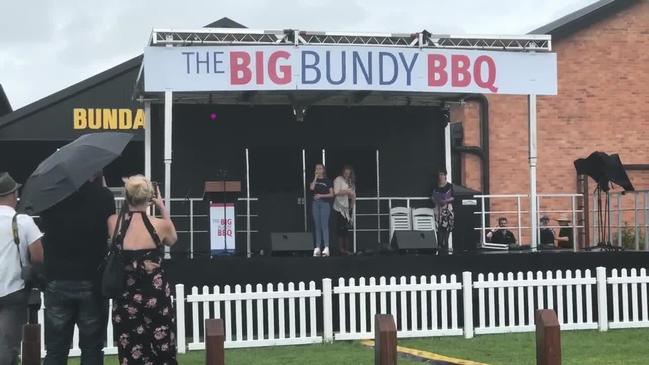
[[322, 196]]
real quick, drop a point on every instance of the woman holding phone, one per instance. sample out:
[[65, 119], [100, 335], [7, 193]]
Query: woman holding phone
[[322, 194], [143, 316]]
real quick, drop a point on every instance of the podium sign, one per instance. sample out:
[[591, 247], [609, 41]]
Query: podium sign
[[222, 228]]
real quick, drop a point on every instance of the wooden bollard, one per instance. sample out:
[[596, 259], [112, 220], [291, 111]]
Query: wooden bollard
[[214, 342], [31, 352], [385, 340], [548, 338]]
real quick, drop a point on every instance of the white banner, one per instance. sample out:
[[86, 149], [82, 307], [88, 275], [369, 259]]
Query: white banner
[[222, 228], [284, 67]]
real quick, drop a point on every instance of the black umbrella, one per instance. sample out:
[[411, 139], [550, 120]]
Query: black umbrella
[[63, 173]]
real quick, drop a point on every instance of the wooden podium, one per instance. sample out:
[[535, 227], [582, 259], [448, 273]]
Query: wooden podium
[[222, 196]]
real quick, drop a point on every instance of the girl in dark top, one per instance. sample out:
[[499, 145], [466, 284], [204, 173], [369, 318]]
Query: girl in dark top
[[322, 194], [143, 316], [443, 198]]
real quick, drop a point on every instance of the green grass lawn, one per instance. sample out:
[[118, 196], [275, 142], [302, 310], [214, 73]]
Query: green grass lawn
[[628, 347], [339, 353]]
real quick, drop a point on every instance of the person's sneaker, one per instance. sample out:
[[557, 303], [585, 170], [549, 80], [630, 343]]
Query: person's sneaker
[[325, 252], [316, 252]]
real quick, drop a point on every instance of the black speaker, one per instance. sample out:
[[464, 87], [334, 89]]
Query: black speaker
[[414, 240], [291, 243], [466, 234]]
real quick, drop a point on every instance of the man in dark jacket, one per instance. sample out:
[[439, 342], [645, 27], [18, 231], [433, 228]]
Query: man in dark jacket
[[75, 244], [501, 235]]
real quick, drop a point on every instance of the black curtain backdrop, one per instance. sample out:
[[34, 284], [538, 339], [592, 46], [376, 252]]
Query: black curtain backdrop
[[209, 138]]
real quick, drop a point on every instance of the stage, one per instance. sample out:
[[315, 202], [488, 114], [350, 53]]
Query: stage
[[262, 270]]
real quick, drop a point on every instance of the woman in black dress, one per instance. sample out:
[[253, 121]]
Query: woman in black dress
[[143, 316], [443, 198]]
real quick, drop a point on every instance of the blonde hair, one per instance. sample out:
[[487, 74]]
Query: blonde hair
[[139, 190]]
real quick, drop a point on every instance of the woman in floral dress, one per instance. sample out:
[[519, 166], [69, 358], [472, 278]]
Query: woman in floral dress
[[143, 316]]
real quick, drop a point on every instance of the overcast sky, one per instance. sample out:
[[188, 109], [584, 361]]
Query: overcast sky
[[47, 45]]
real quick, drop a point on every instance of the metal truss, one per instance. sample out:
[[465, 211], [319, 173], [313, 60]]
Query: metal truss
[[423, 39]]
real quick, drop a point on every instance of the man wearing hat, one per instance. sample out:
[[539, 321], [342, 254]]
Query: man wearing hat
[[546, 234], [20, 245], [566, 233]]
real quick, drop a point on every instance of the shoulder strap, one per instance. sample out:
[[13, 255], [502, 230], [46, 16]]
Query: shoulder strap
[[151, 229], [14, 229], [118, 229]]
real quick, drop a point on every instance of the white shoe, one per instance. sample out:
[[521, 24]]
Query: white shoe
[[325, 252], [316, 252]]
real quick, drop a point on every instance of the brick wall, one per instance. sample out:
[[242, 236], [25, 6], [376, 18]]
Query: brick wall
[[602, 105]]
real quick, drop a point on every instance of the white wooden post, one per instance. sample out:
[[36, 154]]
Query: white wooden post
[[602, 305], [168, 97], [327, 293], [180, 318], [467, 301]]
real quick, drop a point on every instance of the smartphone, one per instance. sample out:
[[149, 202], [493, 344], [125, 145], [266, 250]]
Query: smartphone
[[156, 186]]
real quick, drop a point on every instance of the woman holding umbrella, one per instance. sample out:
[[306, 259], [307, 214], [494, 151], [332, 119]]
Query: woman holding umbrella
[[143, 316]]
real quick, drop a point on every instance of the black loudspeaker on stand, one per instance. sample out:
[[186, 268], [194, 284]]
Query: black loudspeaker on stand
[[607, 171]]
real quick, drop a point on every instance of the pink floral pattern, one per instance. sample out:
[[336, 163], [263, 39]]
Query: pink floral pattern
[[143, 315]]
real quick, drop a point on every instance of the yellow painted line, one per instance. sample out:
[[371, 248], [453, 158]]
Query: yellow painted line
[[428, 355]]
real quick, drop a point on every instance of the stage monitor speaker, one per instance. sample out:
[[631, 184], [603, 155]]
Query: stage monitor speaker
[[414, 240], [288, 243]]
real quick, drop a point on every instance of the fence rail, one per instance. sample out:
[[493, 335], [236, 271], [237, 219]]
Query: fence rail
[[303, 313]]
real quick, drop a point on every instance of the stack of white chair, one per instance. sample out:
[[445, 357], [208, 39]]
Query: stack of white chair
[[405, 219], [423, 219], [400, 220]]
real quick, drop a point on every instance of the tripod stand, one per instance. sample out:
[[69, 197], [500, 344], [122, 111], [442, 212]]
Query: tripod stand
[[604, 222]]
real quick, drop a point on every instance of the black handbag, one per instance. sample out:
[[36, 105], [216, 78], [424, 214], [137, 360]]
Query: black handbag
[[113, 276]]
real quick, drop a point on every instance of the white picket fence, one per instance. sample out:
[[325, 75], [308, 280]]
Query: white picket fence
[[629, 312], [407, 301], [293, 314], [249, 315], [515, 298]]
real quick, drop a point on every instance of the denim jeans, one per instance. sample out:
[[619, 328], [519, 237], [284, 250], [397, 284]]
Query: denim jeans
[[321, 210], [74, 302], [13, 315]]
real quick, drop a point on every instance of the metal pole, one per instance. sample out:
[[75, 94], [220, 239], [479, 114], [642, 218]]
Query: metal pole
[[304, 188], [596, 235], [531, 101], [646, 221], [518, 215], [354, 227], [447, 152], [147, 139], [574, 224], [619, 219], [191, 228], [636, 232], [248, 233], [168, 103], [483, 231], [449, 172], [378, 199]]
